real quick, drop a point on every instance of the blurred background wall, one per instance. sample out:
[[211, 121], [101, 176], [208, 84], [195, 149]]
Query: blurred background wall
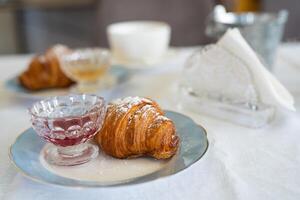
[[187, 18], [292, 31], [34, 25]]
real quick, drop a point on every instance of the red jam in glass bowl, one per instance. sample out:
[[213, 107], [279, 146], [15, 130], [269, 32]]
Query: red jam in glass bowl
[[68, 122]]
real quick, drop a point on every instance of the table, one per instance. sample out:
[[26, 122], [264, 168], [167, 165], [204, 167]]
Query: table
[[241, 163]]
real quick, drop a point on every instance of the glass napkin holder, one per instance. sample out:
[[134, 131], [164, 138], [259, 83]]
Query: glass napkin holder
[[217, 84]]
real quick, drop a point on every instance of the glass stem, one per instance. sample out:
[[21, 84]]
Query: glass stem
[[72, 151]]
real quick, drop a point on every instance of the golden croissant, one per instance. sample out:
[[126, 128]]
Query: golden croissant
[[44, 71], [136, 126]]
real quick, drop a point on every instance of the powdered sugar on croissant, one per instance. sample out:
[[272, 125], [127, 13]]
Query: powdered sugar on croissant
[[136, 126]]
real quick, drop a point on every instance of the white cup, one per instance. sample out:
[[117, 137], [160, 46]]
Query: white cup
[[138, 42]]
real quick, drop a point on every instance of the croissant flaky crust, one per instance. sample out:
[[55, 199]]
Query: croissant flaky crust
[[44, 71], [135, 127]]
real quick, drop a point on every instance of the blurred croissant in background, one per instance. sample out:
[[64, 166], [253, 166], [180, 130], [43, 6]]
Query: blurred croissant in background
[[136, 126], [44, 71]]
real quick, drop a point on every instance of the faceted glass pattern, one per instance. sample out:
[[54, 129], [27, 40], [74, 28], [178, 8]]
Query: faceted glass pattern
[[67, 121]]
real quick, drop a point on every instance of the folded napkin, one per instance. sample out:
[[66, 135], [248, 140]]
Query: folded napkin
[[230, 71], [270, 90]]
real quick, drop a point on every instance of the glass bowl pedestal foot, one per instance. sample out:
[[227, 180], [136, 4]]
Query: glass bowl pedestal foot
[[71, 155]]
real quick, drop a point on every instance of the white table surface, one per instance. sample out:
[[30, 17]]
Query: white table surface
[[240, 163]]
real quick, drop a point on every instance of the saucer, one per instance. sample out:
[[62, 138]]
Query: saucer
[[165, 59], [104, 170], [120, 74]]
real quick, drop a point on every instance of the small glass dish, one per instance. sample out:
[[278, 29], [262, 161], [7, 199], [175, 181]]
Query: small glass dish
[[68, 122], [88, 67]]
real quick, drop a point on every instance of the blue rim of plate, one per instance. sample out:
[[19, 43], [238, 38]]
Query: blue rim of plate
[[193, 146], [12, 85]]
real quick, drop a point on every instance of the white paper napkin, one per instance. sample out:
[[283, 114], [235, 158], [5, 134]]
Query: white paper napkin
[[270, 90]]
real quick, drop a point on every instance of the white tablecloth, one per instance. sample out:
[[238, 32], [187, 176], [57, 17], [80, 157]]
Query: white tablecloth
[[240, 163]]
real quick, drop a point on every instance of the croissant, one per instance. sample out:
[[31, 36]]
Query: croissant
[[136, 127], [44, 71]]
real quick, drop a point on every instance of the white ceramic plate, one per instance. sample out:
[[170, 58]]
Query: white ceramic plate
[[169, 56], [105, 170]]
